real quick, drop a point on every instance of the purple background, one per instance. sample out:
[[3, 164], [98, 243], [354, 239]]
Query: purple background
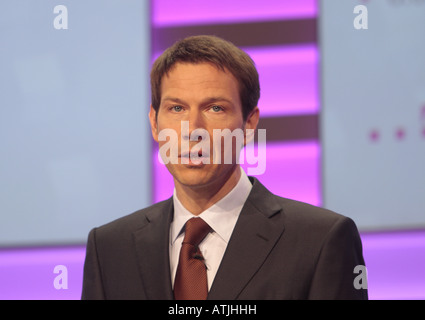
[[289, 74]]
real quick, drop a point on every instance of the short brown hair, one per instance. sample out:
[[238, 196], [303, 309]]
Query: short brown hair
[[221, 53]]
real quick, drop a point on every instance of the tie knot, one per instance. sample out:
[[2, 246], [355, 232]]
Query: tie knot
[[196, 230]]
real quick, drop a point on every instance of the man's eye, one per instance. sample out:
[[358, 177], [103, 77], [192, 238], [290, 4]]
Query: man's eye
[[216, 108], [177, 108]]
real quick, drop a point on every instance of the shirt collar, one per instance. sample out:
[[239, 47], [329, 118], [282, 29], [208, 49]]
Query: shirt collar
[[221, 216]]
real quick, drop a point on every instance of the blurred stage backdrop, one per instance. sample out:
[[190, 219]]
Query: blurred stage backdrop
[[342, 100]]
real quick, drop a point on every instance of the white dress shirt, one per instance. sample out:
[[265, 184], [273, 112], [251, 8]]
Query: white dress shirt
[[221, 217]]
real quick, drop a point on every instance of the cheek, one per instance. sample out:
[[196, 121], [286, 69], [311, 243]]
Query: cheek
[[226, 145], [168, 142], [168, 129]]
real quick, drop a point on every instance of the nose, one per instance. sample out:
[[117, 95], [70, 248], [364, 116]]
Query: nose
[[196, 121]]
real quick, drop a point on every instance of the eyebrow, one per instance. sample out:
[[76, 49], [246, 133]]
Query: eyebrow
[[172, 99], [205, 101]]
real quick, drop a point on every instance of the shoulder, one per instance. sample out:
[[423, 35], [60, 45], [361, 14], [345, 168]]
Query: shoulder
[[300, 211], [316, 229], [311, 219], [300, 216], [126, 225]]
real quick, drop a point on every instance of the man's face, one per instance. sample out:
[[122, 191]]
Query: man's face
[[204, 97]]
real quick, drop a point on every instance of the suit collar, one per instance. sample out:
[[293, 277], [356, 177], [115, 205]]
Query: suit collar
[[152, 249], [263, 199], [257, 230]]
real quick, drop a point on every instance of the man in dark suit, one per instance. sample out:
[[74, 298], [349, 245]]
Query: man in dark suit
[[222, 235]]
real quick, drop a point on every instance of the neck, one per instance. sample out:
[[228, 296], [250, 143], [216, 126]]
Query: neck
[[197, 199]]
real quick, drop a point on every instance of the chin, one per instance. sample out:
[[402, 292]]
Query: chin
[[193, 175], [203, 175]]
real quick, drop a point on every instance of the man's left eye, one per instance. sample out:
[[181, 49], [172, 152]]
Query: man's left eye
[[216, 108], [177, 108]]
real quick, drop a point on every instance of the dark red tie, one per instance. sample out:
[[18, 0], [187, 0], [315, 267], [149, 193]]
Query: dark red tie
[[191, 276]]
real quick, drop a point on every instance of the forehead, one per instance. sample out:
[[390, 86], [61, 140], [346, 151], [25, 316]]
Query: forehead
[[200, 78]]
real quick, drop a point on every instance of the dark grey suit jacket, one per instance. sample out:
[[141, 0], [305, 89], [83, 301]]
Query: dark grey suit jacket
[[279, 249]]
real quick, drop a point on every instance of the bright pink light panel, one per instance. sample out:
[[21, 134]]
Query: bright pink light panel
[[288, 79], [166, 12]]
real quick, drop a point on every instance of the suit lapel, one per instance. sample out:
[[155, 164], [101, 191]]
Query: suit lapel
[[257, 230], [152, 249]]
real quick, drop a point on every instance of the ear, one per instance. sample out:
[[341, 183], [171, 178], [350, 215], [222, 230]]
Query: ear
[[154, 123], [251, 123]]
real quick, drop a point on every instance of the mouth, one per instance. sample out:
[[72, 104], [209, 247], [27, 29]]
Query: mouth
[[194, 159]]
